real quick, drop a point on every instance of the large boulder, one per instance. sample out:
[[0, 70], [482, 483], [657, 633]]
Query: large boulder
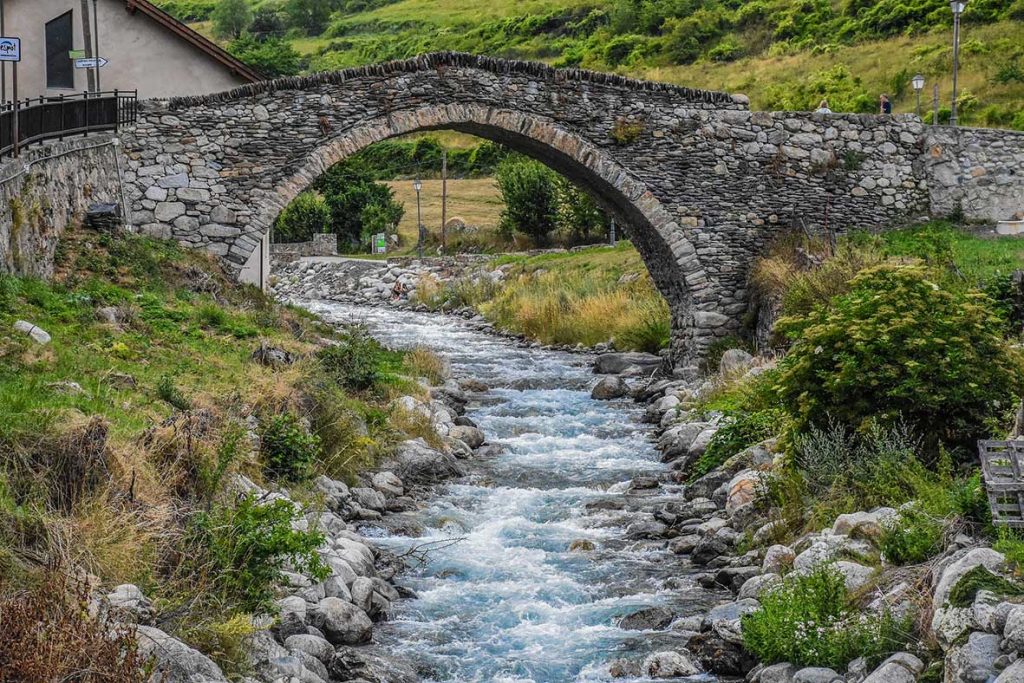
[[617, 363], [974, 661], [863, 524], [174, 661], [609, 388], [647, 619], [735, 361], [342, 623], [778, 559], [669, 664], [817, 674], [902, 667], [417, 463], [471, 436]]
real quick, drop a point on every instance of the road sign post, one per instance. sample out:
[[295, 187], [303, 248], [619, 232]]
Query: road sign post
[[10, 51], [91, 63]]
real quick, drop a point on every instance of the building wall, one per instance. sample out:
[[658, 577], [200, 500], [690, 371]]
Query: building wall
[[143, 55]]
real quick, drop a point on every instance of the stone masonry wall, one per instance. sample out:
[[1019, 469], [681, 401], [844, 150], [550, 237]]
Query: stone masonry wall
[[44, 190], [320, 245], [702, 183], [977, 172]]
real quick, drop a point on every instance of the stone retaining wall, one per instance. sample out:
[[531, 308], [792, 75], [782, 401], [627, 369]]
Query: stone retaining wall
[[47, 188], [320, 245]]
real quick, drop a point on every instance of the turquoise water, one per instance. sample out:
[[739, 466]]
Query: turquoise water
[[506, 600]]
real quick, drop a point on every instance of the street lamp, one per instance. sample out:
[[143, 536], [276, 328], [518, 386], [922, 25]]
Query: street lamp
[[958, 7], [417, 185], [918, 83]]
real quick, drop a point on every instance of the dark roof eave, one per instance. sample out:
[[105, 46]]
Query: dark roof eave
[[235, 65]]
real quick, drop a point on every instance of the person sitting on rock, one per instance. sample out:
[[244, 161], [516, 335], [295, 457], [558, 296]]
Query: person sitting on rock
[[397, 290], [823, 108]]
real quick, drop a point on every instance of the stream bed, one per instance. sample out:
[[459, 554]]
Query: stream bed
[[501, 597]]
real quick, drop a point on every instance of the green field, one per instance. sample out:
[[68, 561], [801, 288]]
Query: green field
[[784, 54]]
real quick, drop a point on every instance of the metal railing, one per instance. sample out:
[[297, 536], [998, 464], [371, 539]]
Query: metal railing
[[47, 118]]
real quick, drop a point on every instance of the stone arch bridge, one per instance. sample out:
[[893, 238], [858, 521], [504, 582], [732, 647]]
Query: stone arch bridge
[[702, 182]]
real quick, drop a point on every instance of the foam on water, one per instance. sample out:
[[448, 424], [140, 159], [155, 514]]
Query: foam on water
[[508, 602]]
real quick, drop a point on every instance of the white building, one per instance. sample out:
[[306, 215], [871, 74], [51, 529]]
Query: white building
[[147, 50]]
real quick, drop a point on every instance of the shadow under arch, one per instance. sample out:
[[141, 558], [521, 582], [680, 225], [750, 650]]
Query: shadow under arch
[[669, 256]]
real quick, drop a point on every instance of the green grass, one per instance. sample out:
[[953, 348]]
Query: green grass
[[586, 297], [979, 256]]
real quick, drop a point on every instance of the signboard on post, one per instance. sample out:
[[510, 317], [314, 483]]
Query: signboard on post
[[380, 243], [10, 49], [90, 63]]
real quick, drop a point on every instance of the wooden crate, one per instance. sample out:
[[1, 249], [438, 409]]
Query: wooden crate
[[1003, 469]]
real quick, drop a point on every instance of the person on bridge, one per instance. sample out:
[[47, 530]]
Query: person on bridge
[[823, 108], [886, 105]]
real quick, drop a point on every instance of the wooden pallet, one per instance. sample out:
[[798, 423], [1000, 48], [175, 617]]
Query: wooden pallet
[[1002, 464]]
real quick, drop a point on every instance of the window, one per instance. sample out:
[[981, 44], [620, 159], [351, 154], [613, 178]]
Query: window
[[60, 72]]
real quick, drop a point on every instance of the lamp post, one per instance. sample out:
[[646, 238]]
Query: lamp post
[[958, 7], [417, 185], [918, 83]]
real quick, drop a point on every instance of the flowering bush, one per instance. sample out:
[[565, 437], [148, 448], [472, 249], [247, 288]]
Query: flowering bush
[[900, 347], [808, 621]]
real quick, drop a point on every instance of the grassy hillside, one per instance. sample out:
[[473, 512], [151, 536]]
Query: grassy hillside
[[121, 435], [783, 53]]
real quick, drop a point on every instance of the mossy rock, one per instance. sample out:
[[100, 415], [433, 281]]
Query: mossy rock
[[980, 578]]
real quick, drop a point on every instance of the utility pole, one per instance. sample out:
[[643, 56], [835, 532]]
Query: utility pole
[[96, 38], [444, 200], [87, 37], [935, 105], [958, 7], [611, 231]]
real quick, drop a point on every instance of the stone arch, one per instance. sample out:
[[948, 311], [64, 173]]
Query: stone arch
[[666, 251]]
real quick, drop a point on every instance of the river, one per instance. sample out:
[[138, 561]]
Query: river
[[509, 601]]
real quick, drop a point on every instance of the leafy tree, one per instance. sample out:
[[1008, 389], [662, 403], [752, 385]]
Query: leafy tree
[[267, 23], [273, 57], [349, 188], [306, 216], [529, 190], [231, 18], [310, 16], [898, 346], [578, 213]]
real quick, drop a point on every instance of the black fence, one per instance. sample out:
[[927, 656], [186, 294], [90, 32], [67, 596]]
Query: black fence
[[47, 118]]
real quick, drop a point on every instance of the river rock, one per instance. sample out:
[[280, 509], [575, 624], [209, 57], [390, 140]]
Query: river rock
[[863, 524], [128, 600], [471, 436], [358, 664], [647, 619], [1013, 673], [175, 662], [669, 664], [777, 673], [902, 667], [388, 483], [735, 361], [341, 622], [37, 334], [755, 586], [974, 661], [609, 388], [778, 559], [817, 674], [617, 363], [312, 645], [417, 463], [856, 576]]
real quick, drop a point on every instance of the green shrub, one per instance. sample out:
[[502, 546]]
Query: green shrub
[[273, 57], [808, 621], [743, 430], [244, 549], [287, 447], [167, 391], [912, 537], [356, 362], [307, 215], [900, 347]]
